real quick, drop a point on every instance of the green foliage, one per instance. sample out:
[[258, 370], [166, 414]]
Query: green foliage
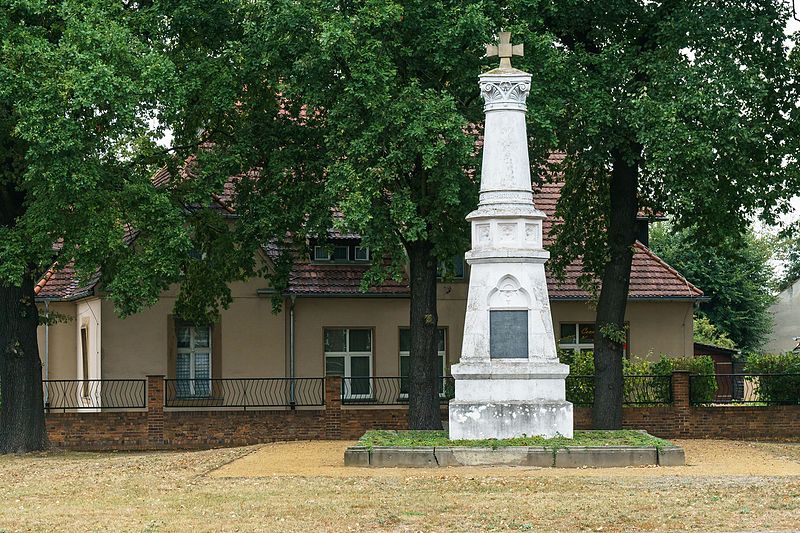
[[637, 387], [700, 96], [788, 250], [417, 438], [703, 389], [781, 389], [707, 333], [734, 272]]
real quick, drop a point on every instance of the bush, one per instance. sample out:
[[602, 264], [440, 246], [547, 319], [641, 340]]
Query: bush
[[580, 391], [703, 389], [783, 388]]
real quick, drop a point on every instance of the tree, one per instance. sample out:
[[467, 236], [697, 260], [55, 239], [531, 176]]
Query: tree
[[788, 251], [80, 83], [735, 273], [396, 88], [682, 107], [707, 333]]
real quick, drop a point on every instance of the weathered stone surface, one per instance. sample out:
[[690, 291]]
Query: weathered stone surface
[[541, 457], [509, 382], [605, 457], [671, 456], [509, 419], [356, 456], [387, 456]]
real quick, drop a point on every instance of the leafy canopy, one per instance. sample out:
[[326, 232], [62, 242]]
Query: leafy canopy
[[735, 273]]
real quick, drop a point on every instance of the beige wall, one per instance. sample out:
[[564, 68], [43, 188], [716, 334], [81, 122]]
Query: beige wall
[[63, 347], [656, 328], [253, 338], [255, 341], [786, 320]]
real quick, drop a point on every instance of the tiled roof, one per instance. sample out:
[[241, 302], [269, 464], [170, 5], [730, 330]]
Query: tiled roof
[[62, 284]]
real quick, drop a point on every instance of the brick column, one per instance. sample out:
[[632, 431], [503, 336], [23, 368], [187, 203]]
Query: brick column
[[681, 405], [155, 411], [333, 407]]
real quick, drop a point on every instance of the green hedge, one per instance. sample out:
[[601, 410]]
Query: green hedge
[[581, 391], [779, 389]]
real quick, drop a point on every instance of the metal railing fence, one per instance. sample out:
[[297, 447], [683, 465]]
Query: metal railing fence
[[744, 388], [637, 390], [388, 390], [63, 394], [244, 392]]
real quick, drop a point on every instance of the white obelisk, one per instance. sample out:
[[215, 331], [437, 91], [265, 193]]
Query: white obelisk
[[509, 382]]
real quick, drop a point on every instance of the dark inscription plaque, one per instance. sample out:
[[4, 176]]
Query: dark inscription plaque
[[508, 334]]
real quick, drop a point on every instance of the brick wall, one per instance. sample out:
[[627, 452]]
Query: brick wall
[[158, 428]]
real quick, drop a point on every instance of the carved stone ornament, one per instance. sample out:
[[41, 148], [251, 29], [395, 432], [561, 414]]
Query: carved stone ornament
[[505, 93]]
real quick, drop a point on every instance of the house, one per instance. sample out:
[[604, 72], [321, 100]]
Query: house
[[785, 335], [327, 325]]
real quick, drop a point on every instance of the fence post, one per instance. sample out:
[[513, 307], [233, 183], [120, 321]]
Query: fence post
[[680, 401], [155, 411], [333, 407]]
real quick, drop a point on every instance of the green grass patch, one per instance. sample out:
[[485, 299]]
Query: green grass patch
[[416, 438]]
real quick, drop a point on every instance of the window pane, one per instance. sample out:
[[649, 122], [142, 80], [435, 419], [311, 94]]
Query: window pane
[[441, 366], [340, 253], [184, 335], [405, 361], [440, 336], [586, 333], [334, 366], [321, 254], [202, 336], [405, 340], [360, 340], [458, 266], [359, 367], [182, 366], [508, 334], [335, 340], [567, 334], [362, 253], [202, 366]]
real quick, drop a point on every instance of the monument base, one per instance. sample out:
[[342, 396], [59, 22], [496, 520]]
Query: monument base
[[507, 420]]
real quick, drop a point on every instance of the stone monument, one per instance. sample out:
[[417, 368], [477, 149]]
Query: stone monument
[[509, 382]]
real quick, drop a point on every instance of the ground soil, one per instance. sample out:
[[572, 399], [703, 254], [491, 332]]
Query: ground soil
[[726, 486]]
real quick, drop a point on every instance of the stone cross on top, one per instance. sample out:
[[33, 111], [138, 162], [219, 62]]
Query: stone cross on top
[[504, 49]]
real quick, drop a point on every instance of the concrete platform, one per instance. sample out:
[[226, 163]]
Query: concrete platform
[[536, 456]]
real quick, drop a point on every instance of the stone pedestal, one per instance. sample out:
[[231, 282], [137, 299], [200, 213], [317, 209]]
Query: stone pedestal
[[509, 382]]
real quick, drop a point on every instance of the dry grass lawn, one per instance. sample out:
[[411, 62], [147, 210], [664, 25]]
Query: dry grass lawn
[[727, 486]]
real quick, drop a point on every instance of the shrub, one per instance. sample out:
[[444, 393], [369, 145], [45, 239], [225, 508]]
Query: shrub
[[781, 388], [703, 389]]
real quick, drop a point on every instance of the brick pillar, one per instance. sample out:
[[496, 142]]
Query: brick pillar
[[155, 411], [680, 402], [333, 407]]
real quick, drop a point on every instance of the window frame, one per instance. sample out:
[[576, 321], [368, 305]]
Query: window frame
[[356, 249], [347, 355], [407, 353], [192, 352], [578, 346]]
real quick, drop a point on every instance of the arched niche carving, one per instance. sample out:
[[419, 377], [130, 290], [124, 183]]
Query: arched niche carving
[[509, 294]]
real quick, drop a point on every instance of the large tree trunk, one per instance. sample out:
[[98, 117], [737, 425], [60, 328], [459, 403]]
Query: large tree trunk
[[423, 397], [22, 427], [609, 336]]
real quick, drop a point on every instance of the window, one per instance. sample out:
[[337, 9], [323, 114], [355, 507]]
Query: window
[[193, 362], [405, 358], [341, 253], [85, 386], [576, 337], [579, 337], [453, 269], [348, 353], [361, 253]]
